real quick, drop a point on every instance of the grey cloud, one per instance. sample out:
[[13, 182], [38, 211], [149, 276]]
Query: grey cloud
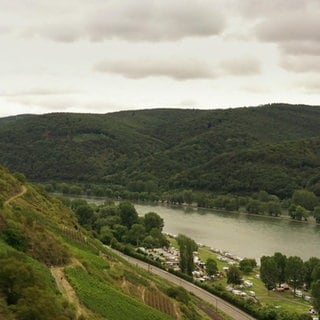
[[294, 26], [38, 92], [151, 20], [309, 86], [266, 8], [256, 88], [65, 33], [176, 69], [290, 28], [295, 31], [301, 48], [245, 66], [180, 69], [142, 20], [301, 64]]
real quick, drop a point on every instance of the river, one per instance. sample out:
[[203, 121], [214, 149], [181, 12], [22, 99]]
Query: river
[[240, 234]]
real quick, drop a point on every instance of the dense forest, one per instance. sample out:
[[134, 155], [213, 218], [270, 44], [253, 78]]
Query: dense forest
[[275, 148]]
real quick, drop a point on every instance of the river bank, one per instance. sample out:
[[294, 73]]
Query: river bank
[[244, 235], [95, 199]]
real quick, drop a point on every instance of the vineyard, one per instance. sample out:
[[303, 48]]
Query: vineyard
[[108, 302], [159, 302], [73, 234]]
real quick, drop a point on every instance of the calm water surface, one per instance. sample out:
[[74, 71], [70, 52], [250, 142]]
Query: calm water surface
[[240, 234]]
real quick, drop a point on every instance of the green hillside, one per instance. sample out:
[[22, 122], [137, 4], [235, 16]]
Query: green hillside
[[51, 268], [209, 150], [276, 168]]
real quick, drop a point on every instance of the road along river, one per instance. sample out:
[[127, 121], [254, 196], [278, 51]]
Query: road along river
[[220, 304]]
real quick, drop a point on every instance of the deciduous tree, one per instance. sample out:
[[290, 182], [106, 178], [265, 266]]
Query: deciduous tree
[[281, 262], [305, 198], [234, 275], [128, 214], [316, 213], [136, 234], [211, 266], [309, 266], [254, 206], [85, 214], [315, 292], [246, 265], [294, 272], [269, 272], [153, 220]]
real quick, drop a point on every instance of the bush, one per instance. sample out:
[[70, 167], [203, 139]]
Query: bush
[[247, 265], [179, 293], [20, 177], [15, 238]]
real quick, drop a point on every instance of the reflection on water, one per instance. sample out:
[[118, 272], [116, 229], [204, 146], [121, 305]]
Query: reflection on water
[[243, 235]]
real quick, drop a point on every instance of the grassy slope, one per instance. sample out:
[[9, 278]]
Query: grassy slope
[[9, 186], [109, 287]]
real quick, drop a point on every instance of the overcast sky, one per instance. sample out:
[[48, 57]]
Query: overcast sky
[[100, 56]]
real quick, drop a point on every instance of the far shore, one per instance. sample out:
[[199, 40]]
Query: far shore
[[194, 207]]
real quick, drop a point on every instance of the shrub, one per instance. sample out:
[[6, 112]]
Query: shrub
[[15, 238]]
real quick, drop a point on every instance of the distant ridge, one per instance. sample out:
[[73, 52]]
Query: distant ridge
[[272, 147]]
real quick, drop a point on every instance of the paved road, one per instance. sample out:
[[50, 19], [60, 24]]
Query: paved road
[[220, 304]]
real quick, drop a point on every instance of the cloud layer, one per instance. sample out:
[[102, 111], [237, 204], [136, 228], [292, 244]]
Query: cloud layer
[[179, 68], [157, 53], [142, 20], [294, 27], [174, 68]]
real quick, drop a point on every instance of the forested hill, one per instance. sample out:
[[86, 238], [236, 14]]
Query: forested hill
[[273, 148]]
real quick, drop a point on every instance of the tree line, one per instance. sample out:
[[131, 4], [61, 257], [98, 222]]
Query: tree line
[[303, 204], [112, 223], [278, 269]]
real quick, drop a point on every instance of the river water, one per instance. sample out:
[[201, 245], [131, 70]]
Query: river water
[[239, 234]]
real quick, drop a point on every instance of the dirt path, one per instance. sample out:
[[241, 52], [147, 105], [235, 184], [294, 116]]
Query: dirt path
[[62, 283], [67, 290], [20, 194]]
